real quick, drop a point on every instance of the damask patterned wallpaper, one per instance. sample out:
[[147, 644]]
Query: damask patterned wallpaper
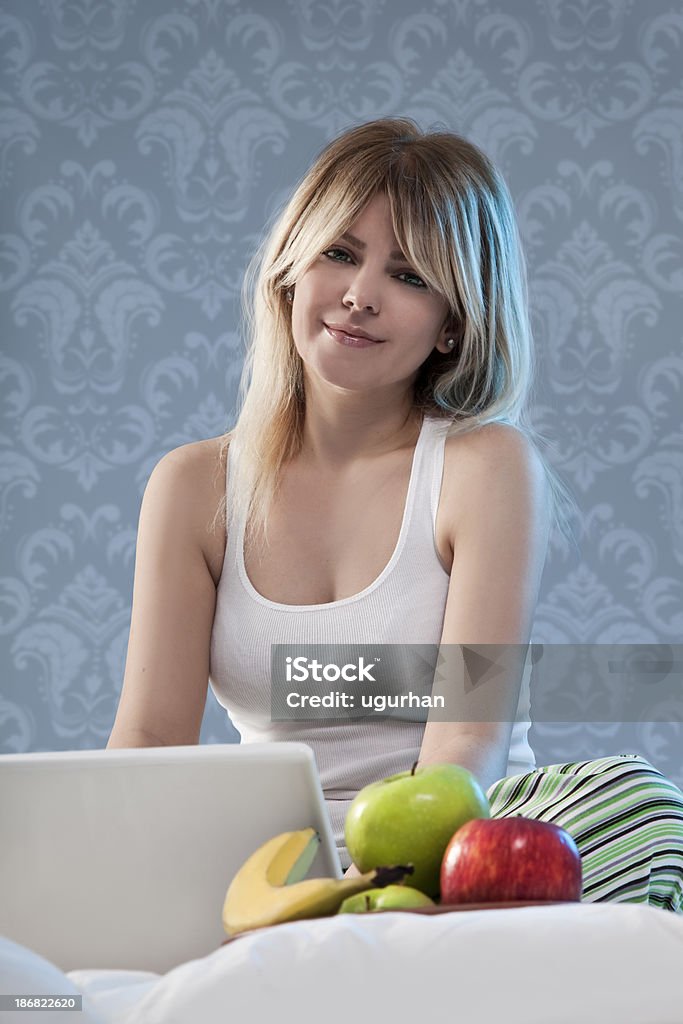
[[143, 147]]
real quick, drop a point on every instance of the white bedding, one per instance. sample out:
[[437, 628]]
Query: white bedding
[[594, 962]]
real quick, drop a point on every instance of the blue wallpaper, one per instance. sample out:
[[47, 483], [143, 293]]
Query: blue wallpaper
[[143, 147]]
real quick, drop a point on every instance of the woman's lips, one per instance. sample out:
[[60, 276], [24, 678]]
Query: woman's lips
[[350, 340]]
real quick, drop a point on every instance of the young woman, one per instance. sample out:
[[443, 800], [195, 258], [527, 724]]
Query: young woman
[[381, 484]]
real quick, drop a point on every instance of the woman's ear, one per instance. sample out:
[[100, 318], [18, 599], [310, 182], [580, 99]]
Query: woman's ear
[[449, 337]]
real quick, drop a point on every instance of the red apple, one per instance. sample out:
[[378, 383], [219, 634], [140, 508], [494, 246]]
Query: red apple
[[491, 860]]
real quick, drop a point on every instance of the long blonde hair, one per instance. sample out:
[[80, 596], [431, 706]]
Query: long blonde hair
[[453, 218]]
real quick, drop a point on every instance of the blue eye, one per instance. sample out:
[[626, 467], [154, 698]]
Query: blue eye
[[335, 250], [411, 274]]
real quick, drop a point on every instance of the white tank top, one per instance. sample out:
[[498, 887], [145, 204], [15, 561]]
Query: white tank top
[[404, 605]]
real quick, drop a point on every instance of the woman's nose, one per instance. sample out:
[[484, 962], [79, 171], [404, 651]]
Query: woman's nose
[[363, 293]]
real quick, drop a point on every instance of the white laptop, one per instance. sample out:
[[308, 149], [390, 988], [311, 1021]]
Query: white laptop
[[122, 858]]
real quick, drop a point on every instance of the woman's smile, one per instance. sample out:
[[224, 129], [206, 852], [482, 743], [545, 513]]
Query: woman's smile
[[351, 340]]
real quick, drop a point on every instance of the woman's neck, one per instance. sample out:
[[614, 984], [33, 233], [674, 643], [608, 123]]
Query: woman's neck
[[338, 441]]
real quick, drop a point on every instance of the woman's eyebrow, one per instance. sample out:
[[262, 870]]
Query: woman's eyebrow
[[348, 237]]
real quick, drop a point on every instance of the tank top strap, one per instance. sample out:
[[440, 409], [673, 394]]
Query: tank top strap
[[429, 475]]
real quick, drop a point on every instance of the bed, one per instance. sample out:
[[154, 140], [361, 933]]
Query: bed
[[597, 963]]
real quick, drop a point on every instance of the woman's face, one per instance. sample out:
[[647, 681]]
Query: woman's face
[[363, 283]]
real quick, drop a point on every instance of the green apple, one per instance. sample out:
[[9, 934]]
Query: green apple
[[391, 897], [409, 818]]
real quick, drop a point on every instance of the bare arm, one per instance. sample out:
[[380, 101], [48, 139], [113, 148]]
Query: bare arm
[[501, 541], [174, 598]]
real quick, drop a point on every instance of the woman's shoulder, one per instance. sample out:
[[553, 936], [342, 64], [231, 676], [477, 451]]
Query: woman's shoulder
[[490, 441], [199, 469], [473, 457], [199, 466]]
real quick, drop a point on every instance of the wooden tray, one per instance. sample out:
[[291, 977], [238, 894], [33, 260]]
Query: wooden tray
[[439, 908]]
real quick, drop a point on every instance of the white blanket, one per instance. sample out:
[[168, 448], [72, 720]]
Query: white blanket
[[594, 962]]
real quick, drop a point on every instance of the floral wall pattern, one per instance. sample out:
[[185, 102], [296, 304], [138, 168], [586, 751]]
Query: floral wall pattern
[[143, 147]]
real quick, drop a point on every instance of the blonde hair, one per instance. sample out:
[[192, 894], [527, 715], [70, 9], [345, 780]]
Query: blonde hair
[[453, 218]]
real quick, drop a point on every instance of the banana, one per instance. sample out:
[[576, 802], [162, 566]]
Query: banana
[[269, 888]]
